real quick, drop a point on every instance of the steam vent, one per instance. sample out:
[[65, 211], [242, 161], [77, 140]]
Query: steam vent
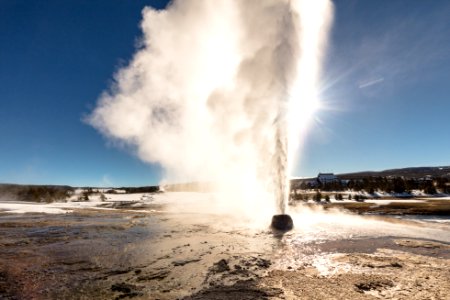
[[282, 222]]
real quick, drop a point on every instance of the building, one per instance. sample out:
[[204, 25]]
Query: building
[[325, 178]]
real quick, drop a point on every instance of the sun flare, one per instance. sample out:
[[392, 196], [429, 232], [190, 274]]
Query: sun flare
[[304, 101]]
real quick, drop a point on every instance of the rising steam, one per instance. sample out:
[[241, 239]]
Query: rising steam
[[216, 92]]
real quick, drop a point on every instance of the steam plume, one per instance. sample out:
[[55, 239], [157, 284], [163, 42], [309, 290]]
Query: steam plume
[[213, 92]]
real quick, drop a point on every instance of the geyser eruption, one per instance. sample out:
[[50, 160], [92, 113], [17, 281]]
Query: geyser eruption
[[216, 91]]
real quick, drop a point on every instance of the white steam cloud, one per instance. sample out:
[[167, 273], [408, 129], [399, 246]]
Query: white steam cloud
[[217, 90]]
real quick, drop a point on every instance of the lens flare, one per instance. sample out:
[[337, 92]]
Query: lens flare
[[316, 19]]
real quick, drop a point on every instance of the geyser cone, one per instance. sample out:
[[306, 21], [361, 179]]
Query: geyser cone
[[282, 222]]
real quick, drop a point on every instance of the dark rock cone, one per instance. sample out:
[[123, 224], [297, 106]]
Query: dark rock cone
[[282, 222]]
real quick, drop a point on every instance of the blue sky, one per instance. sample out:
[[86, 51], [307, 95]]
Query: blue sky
[[387, 87], [385, 90]]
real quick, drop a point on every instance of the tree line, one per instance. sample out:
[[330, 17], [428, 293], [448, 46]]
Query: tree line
[[383, 184]]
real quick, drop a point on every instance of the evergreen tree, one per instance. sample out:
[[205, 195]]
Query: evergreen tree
[[317, 196], [102, 197]]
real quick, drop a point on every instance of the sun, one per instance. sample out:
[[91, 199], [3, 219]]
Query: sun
[[303, 105]]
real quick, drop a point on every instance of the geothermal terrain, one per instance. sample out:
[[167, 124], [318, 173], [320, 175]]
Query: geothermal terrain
[[179, 245]]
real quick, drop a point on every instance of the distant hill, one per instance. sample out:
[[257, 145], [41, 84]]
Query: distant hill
[[36, 193], [416, 172], [13, 188], [52, 191]]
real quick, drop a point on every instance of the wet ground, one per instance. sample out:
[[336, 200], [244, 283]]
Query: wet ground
[[150, 253]]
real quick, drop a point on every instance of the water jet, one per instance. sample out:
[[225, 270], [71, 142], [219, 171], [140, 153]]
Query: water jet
[[282, 222], [229, 105]]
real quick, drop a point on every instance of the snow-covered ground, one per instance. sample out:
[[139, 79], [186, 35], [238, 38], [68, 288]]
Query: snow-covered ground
[[386, 202], [378, 194], [72, 203], [440, 198], [176, 201], [142, 197], [378, 201], [181, 201], [31, 207]]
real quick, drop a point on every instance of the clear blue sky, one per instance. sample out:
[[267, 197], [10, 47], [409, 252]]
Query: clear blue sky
[[386, 89]]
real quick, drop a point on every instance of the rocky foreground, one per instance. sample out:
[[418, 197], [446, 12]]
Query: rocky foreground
[[135, 254]]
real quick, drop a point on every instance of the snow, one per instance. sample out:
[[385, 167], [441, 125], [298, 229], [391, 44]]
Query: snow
[[332, 200], [181, 201], [30, 207], [439, 198], [128, 197], [94, 202], [386, 202]]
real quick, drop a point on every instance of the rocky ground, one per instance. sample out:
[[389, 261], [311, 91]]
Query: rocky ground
[[124, 254], [384, 274]]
